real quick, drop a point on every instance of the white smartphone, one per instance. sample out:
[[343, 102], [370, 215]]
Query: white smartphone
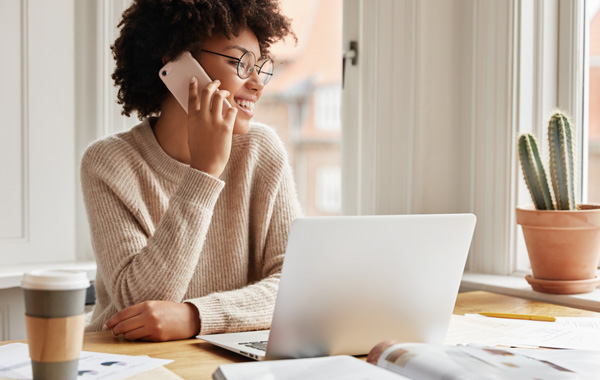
[[176, 76]]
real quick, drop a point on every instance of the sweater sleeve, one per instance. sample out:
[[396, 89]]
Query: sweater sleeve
[[134, 266], [251, 307]]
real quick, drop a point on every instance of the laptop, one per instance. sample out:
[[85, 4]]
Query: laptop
[[350, 282]]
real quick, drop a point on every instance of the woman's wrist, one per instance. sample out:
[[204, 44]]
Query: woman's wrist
[[195, 322]]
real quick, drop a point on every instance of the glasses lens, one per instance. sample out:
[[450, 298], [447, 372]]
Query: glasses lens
[[246, 64], [266, 71]]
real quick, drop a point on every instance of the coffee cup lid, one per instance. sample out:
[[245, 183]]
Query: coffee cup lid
[[55, 279]]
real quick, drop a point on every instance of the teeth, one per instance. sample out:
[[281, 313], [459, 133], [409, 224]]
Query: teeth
[[246, 104]]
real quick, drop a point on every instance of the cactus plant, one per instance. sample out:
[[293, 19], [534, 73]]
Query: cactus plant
[[562, 166]]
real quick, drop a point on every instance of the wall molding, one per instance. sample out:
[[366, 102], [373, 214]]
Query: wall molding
[[15, 218], [26, 220]]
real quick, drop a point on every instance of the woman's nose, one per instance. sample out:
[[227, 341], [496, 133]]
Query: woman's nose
[[254, 82]]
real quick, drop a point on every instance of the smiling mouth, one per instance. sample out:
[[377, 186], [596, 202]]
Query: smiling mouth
[[245, 104]]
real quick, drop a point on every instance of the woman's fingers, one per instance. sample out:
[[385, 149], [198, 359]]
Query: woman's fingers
[[193, 99], [128, 312], [129, 322], [130, 328], [207, 94], [198, 100], [209, 131], [218, 100], [229, 117]]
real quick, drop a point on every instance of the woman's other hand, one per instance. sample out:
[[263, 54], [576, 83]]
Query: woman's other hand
[[209, 132], [155, 321], [378, 350]]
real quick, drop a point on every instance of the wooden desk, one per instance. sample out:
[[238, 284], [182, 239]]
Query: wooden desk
[[195, 359]]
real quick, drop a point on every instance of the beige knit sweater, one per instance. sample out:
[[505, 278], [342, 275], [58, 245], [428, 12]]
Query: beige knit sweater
[[164, 231]]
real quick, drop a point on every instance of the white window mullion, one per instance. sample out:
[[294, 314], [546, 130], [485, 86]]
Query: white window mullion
[[351, 112], [571, 55], [536, 95]]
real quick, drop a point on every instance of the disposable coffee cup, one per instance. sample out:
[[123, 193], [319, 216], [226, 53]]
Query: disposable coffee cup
[[54, 316]]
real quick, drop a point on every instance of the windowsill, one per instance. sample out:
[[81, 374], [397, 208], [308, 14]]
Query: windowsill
[[10, 275], [517, 286]]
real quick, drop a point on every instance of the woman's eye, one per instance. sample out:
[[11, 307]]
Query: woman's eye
[[234, 63]]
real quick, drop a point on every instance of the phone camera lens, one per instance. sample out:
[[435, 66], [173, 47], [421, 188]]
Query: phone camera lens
[[164, 73]]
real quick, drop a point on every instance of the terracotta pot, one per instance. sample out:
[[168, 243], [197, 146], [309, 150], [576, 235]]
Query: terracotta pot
[[562, 245]]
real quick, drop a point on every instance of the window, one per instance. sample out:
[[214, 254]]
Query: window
[[592, 88], [571, 31], [302, 102]]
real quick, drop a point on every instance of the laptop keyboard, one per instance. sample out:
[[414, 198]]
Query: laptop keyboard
[[260, 345]]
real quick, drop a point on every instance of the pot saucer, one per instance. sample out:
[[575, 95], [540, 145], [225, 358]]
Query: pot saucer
[[563, 287]]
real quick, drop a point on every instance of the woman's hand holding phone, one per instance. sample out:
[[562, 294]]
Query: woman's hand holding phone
[[209, 131]]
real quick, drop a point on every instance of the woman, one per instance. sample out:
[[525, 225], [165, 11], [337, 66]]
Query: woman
[[190, 213]]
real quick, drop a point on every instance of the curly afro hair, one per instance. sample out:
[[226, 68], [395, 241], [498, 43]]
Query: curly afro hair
[[151, 30]]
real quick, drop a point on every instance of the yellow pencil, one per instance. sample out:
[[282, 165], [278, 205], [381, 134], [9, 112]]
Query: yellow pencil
[[520, 316]]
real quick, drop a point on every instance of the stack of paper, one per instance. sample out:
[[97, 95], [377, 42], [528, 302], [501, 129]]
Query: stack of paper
[[15, 363], [572, 333]]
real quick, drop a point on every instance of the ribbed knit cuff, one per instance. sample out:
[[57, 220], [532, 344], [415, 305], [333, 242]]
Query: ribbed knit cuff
[[212, 316], [200, 188]]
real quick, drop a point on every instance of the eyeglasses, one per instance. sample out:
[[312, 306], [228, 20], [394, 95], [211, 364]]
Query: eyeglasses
[[246, 64]]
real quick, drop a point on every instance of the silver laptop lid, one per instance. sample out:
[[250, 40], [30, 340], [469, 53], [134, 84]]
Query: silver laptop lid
[[350, 282]]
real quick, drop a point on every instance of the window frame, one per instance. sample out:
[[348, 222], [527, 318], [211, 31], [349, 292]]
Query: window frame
[[572, 74]]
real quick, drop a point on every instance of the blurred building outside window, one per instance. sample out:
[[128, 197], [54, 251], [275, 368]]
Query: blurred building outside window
[[302, 102], [328, 189], [327, 107]]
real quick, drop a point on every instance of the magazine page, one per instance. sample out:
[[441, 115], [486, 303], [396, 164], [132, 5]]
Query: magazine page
[[420, 361], [341, 367]]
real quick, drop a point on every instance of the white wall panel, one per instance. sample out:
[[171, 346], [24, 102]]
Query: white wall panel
[[13, 131], [38, 186], [12, 312]]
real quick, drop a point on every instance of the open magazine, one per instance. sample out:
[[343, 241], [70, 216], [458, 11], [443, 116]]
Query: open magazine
[[421, 361]]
